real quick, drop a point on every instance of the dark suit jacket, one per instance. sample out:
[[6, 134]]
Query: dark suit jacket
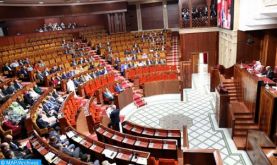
[[28, 99], [115, 116], [11, 90]]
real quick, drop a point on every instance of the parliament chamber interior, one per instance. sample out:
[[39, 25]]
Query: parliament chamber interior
[[146, 82]]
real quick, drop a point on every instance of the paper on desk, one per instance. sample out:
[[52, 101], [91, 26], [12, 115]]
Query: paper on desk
[[70, 134], [49, 157]]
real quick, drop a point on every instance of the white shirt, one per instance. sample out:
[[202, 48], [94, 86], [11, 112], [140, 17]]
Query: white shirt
[[70, 86]]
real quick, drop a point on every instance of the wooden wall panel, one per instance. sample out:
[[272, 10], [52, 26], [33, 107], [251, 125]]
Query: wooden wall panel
[[200, 42], [173, 14], [152, 16], [11, 12], [262, 47], [131, 18], [23, 26], [249, 52]]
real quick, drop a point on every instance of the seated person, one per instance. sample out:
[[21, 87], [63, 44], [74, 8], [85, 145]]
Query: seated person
[[268, 72], [11, 89], [11, 125], [258, 66], [108, 95], [21, 102], [3, 97], [33, 94], [118, 88], [17, 85], [73, 151], [7, 70], [44, 122], [37, 89], [17, 150]]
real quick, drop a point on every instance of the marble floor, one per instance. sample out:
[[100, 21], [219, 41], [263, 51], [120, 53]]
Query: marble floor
[[197, 112]]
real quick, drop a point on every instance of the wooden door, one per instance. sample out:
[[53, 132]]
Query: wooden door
[[195, 62]]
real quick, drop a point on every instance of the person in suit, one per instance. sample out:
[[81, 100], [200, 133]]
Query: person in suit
[[268, 72], [17, 85], [21, 102], [118, 88], [40, 76], [11, 89], [28, 99], [115, 119], [108, 95], [3, 98]]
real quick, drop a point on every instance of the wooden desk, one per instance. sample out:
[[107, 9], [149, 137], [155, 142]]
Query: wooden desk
[[103, 151], [159, 148], [260, 148], [269, 154], [161, 87], [134, 129], [268, 113], [124, 98], [250, 85], [202, 156]]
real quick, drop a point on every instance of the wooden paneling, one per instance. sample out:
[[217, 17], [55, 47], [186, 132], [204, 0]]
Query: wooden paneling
[[200, 42], [267, 117], [24, 26], [249, 87], [161, 87], [11, 12], [257, 45], [116, 22], [246, 51], [173, 14], [152, 16], [131, 18], [186, 74], [268, 48]]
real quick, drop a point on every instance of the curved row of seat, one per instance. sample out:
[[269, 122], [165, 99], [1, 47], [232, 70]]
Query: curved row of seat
[[159, 148], [70, 109], [49, 154], [5, 105], [135, 129], [32, 125], [103, 151], [89, 88]]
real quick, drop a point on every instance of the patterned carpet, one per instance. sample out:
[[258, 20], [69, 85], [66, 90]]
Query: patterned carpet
[[197, 111], [173, 57]]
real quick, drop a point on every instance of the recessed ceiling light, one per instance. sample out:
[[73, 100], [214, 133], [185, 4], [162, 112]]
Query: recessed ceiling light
[[41, 2], [1, 1]]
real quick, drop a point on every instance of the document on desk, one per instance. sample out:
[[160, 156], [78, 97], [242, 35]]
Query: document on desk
[[109, 153], [165, 146], [141, 160], [151, 145], [77, 138], [62, 138], [70, 134], [49, 157]]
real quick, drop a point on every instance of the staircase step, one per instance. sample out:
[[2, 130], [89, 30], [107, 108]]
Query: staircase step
[[243, 116], [231, 87], [240, 133], [240, 142], [246, 127], [247, 122]]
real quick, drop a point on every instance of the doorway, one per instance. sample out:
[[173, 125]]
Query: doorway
[[200, 62]]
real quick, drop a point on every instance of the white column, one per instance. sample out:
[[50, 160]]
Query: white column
[[165, 15], [139, 17]]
